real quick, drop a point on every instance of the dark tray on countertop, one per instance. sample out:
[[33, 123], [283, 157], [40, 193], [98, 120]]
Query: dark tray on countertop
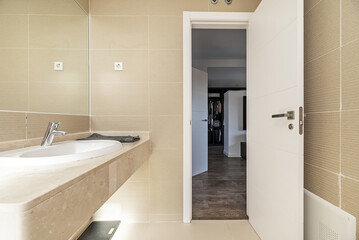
[[123, 139]]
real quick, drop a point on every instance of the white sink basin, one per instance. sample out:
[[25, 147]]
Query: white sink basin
[[58, 153]]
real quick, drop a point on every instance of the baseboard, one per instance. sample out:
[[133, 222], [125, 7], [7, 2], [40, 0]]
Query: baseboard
[[234, 155]]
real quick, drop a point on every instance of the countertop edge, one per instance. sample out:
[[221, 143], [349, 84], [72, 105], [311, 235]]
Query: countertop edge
[[107, 159]]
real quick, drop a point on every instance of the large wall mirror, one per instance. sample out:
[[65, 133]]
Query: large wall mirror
[[34, 35]]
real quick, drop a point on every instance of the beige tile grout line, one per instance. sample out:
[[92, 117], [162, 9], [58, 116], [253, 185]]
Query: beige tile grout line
[[323, 112], [149, 117], [320, 56], [334, 111], [44, 113], [353, 179], [89, 68], [350, 42], [310, 9], [321, 168], [41, 14], [341, 104], [28, 67]]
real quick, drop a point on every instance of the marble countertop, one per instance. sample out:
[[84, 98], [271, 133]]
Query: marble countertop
[[22, 189]]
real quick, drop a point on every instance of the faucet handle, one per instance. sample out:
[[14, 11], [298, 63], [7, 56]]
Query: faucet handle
[[54, 125]]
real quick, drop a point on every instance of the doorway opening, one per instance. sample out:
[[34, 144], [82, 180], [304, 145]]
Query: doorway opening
[[198, 20], [219, 124], [275, 96]]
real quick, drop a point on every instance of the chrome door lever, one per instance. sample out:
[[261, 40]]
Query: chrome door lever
[[290, 115], [204, 120]]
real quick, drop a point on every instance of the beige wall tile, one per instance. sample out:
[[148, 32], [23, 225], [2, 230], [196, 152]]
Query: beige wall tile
[[236, 6], [166, 197], [115, 7], [176, 7], [12, 126], [308, 4], [165, 32], [135, 64], [166, 98], [119, 123], [41, 67], [37, 123], [131, 201], [119, 98], [322, 83], [350, 76], [133, 208], [58, 31], [322, 140], [10, 62], [130, 32], [350, 140], [11, 145], [131, 189], [85, 5], [13, 31], [166, 66], [350, 196], [14, 96], [322, 29], [166, 132], [350, 20], [141, 175], [66, 7], [322, 183], [13, 7], [56, 97], [166, 165]]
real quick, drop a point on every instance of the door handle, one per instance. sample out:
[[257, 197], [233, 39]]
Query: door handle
[[289, 115], [204, 120]]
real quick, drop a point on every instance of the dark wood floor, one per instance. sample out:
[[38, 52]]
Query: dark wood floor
[[220, 193]]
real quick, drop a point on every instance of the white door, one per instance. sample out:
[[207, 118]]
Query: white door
[[275, 153], [199, 119]]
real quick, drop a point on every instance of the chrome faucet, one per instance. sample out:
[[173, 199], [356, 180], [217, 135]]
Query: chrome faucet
[[50, 133]]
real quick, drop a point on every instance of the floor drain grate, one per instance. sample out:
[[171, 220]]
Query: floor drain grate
[[100, 230]]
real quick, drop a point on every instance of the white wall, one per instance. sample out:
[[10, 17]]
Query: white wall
[[233, 123]]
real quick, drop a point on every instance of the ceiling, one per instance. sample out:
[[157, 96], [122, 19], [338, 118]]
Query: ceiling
[[223, 77], [219, 43], [211, 44]]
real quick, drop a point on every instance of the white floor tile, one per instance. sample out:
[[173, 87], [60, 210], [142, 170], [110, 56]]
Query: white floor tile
[[197, 230]]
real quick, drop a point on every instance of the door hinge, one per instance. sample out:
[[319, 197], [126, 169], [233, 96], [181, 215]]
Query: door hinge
[[301, 120]]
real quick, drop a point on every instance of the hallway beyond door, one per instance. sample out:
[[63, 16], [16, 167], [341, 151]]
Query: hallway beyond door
[[220, 193]]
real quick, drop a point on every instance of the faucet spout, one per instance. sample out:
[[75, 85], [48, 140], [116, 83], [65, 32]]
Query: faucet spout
[[59, 133], [51, 132]]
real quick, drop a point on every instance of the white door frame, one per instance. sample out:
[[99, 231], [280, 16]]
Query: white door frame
[[208, 20]]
